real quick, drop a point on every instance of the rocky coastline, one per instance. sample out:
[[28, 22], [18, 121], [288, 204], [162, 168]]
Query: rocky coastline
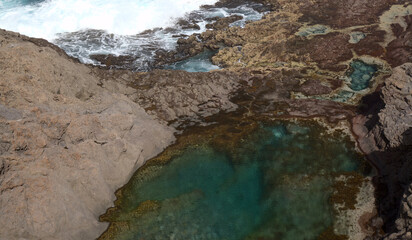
[[383, 128], [72, 134]]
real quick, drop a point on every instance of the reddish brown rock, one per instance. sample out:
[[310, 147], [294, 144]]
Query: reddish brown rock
[[384, 133], [342, 14], [399, 51], [371, 44], [314, 87], [326, 50]]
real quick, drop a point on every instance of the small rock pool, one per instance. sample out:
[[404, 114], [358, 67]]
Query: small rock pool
[[361, 74], [277, 183], [198, 63]]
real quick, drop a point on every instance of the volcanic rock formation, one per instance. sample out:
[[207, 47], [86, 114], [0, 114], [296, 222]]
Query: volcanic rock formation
[[71, 134], [384, 130]]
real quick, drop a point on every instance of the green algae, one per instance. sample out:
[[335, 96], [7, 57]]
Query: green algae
[[276, 183]]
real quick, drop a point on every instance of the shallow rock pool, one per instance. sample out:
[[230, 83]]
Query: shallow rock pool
[[198, 63], [276, 184]]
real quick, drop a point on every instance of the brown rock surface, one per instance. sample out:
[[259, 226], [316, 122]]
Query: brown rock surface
[[278, 40], [384, 131], [66, 144], [400, 49], [174, 95], [112, 61], [223, 23], [339, 14], [72, 134]]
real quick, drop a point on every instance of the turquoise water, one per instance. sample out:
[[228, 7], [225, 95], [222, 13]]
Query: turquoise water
[[361, 75], [198, 63], [275, 186]]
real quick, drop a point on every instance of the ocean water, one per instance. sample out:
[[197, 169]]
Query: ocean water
[[117, 27], [275, 186], [45, 19]]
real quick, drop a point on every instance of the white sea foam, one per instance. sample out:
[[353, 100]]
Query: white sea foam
[[123, 17], [84, 28]]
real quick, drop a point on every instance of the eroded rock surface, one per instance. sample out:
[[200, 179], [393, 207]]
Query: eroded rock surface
[[384, 131], [70, 134], [400, 49], [66, 144]]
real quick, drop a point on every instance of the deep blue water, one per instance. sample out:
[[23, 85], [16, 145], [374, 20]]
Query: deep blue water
[[275, 186]]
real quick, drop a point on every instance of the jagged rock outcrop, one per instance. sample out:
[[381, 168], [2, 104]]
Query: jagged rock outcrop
[[396, 121], [66, 144], [178, 96], [396, 117], [384, 131], [400, 49], [71, 134]]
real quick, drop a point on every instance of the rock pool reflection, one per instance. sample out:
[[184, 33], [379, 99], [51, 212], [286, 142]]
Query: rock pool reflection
[[275, 185]]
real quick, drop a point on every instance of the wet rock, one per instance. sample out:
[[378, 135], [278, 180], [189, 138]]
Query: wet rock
[[223, 23], [186, 47], [309, 108], [185, 24], [266, 5], [112, 61]]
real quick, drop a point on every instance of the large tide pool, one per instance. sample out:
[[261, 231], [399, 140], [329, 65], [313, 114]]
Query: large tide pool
[[276, 183]]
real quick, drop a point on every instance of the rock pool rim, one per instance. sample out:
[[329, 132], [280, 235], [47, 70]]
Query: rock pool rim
[[226, 137]]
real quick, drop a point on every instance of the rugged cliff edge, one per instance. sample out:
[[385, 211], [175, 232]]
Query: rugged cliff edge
[[71, 134], [66, 144], [384, 131]]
